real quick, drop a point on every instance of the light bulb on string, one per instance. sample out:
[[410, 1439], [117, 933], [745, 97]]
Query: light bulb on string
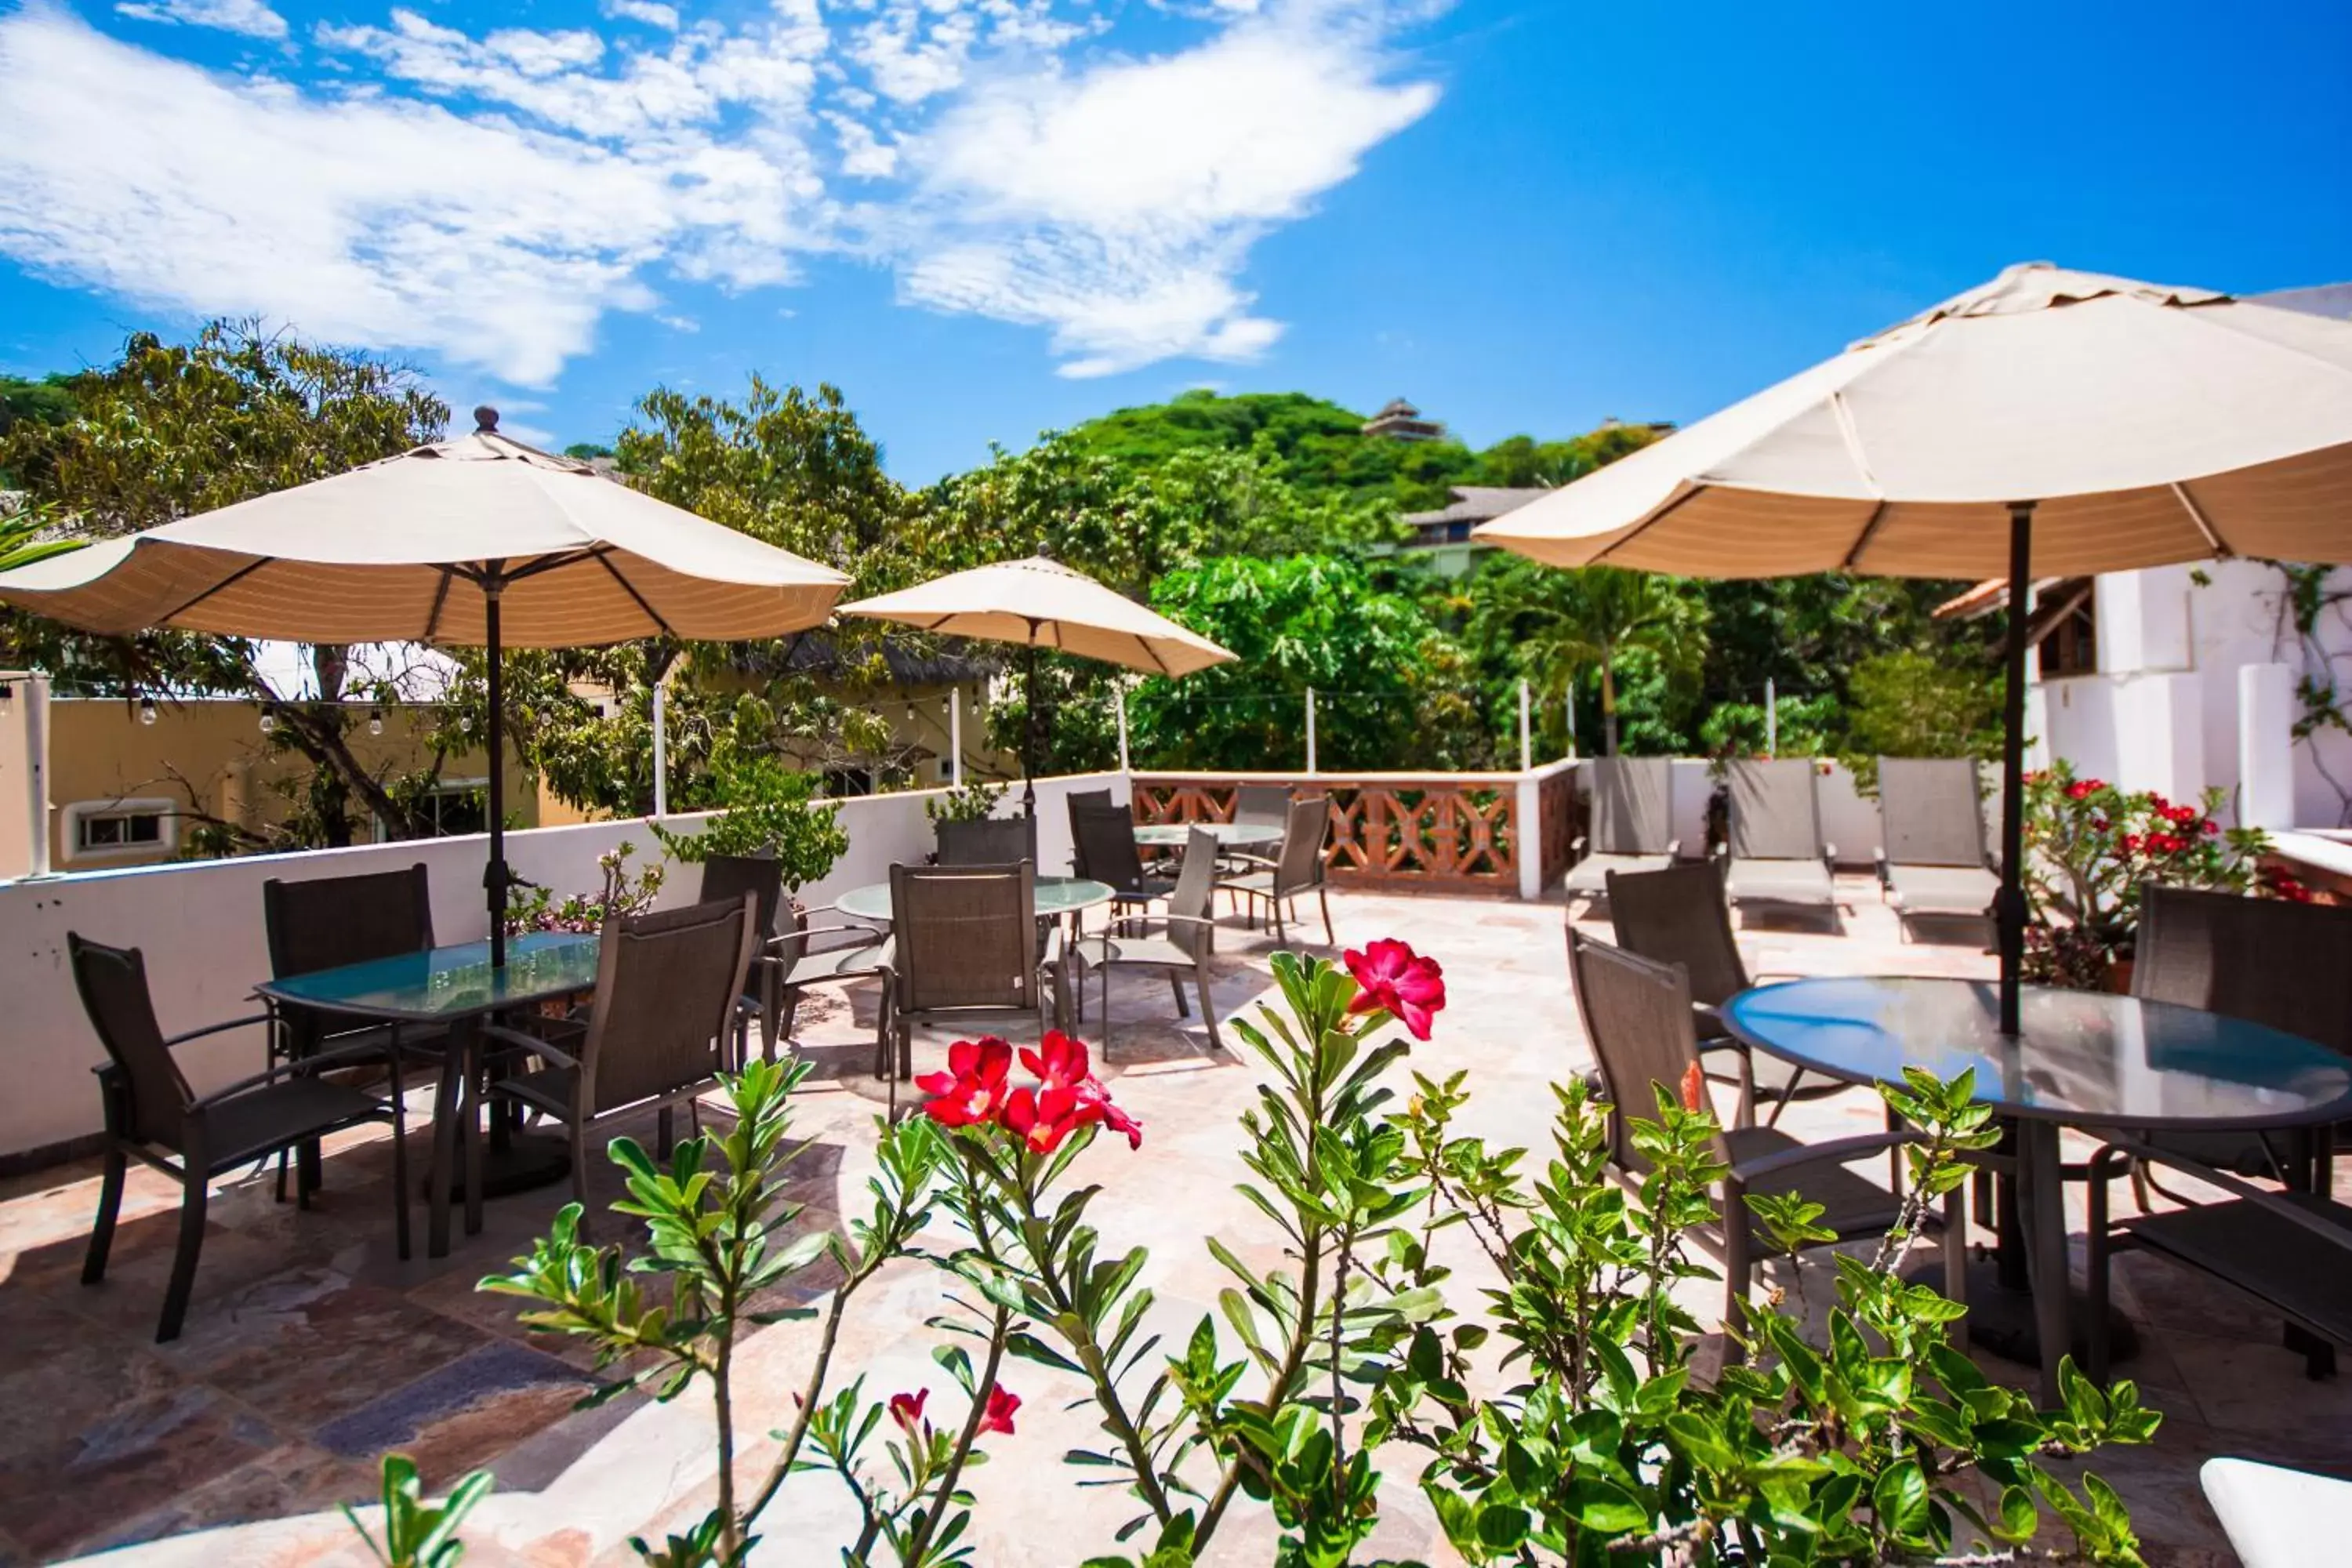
[[147, 710], [268, 722], [376, 720]]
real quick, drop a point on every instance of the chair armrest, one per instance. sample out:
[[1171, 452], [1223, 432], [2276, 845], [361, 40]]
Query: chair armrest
[[531, 1044], [1829, 853], [245, 1022], [868, 936], [282, 1070], [2234, 1186], [1576, 847], [1674, 848], [1836, 1152], [1884, 868]]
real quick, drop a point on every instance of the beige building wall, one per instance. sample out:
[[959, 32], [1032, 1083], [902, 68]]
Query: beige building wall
[[201, 758]]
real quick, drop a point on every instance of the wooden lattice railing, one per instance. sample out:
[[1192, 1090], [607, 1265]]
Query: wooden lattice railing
[[1445, 830]]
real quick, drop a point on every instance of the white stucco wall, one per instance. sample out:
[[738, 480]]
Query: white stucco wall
[[2164, 711], [199, 924]]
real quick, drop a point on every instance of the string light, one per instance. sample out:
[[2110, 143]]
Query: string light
[[376, 720], [268, 722], [147, 710]]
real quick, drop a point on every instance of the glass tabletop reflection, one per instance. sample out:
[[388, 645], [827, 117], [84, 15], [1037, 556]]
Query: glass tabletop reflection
[[2081, 1057], [448, 982], [1228, 835], [1055, 895]]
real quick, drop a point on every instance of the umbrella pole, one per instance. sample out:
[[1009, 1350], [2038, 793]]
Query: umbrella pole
[[494, 876], [1029, 734], [2009, 904]]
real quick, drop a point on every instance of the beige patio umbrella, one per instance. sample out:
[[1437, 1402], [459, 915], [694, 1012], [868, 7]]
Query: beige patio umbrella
[[1038, 603], [480, 541], [2054, 421]]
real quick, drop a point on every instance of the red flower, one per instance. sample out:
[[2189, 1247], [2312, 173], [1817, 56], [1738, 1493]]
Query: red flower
[[906, 1409], [998, 1416], [2182, 816], [2080, 789], [1095, 1104], [971, 1090], [2163, 808], [2131, 843], [2100, 825], [1059, 1061], [2212, 827], [1044, 1118], [1694, 1087], [2165, 844], [1391, 978]]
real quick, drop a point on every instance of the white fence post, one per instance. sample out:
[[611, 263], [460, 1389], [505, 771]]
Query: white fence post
[[1571, 718], [1526, 733], [1771, 719], [2265, 745], [1310, 732], [1527, 833], [36, 773], [661, 750], [955, 736], [1122, 690]]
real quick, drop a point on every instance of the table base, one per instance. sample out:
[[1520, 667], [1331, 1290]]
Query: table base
[[2001, 1319], [529, 1161]]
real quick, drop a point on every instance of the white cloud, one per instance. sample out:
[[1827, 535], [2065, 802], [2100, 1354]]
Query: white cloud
[[488, 197], [652, 13], [1116, 206], [251, 17]]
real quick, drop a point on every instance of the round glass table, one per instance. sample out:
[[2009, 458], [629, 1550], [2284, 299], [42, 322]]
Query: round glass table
[[2080, 1058], [1228, 835], [1055, 895]]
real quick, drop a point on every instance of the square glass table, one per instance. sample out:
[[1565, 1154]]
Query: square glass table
[[457, 987]]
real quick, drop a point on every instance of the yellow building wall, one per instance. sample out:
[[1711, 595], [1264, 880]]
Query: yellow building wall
[[209, 756]]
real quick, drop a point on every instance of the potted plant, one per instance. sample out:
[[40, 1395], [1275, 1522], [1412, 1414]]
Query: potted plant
[[769, 811], [2091, 846]]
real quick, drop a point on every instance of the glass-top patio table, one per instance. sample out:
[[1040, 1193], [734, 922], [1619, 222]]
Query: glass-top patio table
[[455, 986], [2083, 1059], [1228, 835], [1055, 895]]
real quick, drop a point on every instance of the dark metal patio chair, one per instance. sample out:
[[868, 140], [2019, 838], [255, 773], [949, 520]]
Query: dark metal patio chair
[[1104, 837], [1638, 1015], [1181, 945], [1633, 823], [965, 946], [1677, 914], [326, 922], [1298, 870], [1933, 862], [1257, 806], [987, 841], [152, 1114], [670, 987], [1777, 852], [786, 962]]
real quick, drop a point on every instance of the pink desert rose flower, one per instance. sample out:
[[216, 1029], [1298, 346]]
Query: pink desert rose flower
[[972, 1091], [1391, 978], [906, 1409], [1001, 1405]]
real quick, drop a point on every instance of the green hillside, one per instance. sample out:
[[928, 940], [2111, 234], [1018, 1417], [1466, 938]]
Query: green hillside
[[1320, 447]]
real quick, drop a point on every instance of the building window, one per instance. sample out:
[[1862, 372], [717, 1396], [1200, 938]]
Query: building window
[[2071, 647], [450, 809], [847, 784], [99, 830]]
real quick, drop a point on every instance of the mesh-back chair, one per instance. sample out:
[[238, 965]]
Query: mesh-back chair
[[1104, 837], [965, 944], [152, 1116], [669, 988], [2266, 960], [1933, 860], [1298, 868], [1637, 1016], [1778, 854], [987, 841], [327, 922], [1633, 823], [1180, 945], [1677, 915], [803, 956], [1257, 806], [1080, 800]]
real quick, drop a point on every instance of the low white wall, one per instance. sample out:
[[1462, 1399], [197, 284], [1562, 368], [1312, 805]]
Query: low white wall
[[199, 924]]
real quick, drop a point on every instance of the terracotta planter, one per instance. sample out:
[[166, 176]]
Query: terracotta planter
[[2119, 977]]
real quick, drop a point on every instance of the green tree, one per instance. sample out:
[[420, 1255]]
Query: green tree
[[28, 536], [1560, 622], [172, 429], [1375, 660], [1912, 704]]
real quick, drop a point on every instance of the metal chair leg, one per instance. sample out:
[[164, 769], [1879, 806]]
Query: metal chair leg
[[192, 1196], [1208, 1009], [1323, 896], [1176, 984], [110, 1205]]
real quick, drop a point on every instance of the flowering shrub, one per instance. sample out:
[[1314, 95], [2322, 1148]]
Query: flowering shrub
[[2090, 847], [1561, 1410], [534, 907]]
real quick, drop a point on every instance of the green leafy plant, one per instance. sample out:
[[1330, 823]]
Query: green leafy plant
[[535, 907], [418, 1533], [2091, 846], [770, 810], [1915, 704], [970, 801]]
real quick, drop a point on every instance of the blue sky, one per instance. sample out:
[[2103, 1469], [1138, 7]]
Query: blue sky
[[986, 218]]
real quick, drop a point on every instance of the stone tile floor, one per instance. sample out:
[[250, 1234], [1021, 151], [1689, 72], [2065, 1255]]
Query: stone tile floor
[[312, 1351]]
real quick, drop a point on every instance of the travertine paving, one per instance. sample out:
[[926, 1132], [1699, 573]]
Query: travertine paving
[[311, 1351]]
